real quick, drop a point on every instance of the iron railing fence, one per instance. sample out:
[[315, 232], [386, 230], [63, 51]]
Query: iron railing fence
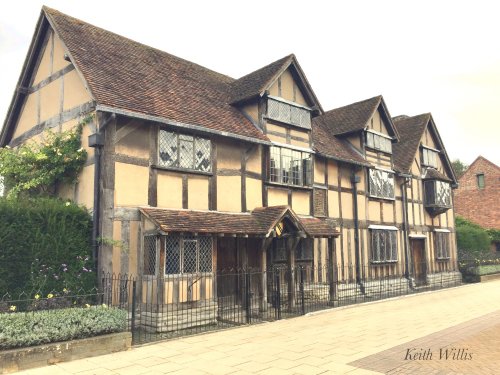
[[167, 306], [174, 305]]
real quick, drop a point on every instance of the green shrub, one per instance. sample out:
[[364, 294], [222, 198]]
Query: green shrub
[[45, 247], [41, 327], [471, 237]]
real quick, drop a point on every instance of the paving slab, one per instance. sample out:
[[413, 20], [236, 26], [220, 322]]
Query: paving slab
[[370, 338]]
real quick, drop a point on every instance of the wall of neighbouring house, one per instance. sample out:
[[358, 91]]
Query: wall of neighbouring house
[[475, 204], [57, 100]]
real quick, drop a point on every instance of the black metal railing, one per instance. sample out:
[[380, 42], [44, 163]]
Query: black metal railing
[[183, 304]]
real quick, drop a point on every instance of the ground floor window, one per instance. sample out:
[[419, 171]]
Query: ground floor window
[[384, 245], [188, 254], [442, 245]]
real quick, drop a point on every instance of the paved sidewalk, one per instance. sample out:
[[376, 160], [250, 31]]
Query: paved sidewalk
[[363, 339]]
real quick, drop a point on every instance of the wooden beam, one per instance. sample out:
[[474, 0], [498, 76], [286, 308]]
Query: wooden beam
[[153, 172]]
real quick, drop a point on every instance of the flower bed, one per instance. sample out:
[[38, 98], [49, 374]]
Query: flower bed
[[23, 329]]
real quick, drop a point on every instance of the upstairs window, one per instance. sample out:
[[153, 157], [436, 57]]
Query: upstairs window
[[184, 151], [288, 113], [429, 157], [381, 184], [290, 167], [384, 245], [378, 142], [437, 193], [480, 180], [442, 245]]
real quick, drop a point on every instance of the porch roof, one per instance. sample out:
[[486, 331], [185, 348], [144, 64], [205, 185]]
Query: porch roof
[[259, 223]]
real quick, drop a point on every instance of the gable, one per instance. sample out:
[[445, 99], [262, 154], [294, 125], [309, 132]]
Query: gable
[[378, 123], [53, 87], [287, 87]]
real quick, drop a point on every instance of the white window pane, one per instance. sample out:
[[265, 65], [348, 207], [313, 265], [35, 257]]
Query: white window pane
[[186, 151], [168, 149], [202, 155]]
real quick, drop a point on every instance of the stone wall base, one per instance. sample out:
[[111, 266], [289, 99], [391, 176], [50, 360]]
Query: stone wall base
[[42, 355]]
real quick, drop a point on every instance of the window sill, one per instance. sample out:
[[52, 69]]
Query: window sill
[[381, 199], [373, 149], [181, 170], [383, 263], [277, 184], [443, 259]]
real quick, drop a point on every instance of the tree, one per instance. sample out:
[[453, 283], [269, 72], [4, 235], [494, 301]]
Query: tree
[[459, 167]]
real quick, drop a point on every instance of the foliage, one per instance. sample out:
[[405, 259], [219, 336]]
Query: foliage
[[459, 167], [471, 237], [35, 169], [45, 247], [20, 329], [494, 234]]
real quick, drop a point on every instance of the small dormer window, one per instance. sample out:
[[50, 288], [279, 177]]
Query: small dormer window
[[429, 157], [377, 141], [288, 112]]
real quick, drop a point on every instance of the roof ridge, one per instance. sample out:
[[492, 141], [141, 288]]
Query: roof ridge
[[355, 103], [48, 11]]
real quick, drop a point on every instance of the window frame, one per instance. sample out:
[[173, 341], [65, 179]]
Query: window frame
[[426, 151], [442, 245], [390, 235], [181, 265], [375, 143], [479, 185], [289, 112], [433, 191], [279, 175], [183, 138], [391, 176]]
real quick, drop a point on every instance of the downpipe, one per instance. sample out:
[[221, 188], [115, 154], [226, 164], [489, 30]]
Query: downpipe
[[355, 180]]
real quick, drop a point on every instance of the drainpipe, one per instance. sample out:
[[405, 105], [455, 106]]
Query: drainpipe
[[405, 223], [96, 141], [355, 180]]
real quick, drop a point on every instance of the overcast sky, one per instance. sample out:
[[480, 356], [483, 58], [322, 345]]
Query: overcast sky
[[441, 57]]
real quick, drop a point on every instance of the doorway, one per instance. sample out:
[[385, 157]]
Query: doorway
[[418, 261]]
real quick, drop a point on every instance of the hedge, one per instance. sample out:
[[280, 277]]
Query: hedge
[[41, 327], [45, 246], [471, 237]]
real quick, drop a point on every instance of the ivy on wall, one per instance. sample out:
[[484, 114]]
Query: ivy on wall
[[36, 169]]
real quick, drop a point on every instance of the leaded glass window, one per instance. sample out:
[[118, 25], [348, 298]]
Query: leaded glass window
[[384, 246], [288, 113], [289, 166], [429, 157], [188, 254], [381, 184], [184, 151], [441, 245], [378, 142], [437, 193]]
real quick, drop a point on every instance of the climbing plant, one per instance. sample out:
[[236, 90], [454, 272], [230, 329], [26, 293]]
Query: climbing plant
[[35, 169]]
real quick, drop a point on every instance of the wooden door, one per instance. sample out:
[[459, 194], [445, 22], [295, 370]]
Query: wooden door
[[418, 261]]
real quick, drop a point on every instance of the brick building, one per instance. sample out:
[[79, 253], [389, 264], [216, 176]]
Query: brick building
[[478, 194]]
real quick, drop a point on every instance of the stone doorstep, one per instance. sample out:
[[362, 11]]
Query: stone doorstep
[[13, 360]]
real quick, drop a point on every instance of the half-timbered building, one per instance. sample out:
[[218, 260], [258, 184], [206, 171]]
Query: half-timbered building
[[193, 172]]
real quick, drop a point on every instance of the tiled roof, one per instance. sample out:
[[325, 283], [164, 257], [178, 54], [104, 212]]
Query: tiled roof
[[204, 221], [410, 130], [256, 82], [258, 223], [433, 174], [128, 75], [350, 118], [329, 145]]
